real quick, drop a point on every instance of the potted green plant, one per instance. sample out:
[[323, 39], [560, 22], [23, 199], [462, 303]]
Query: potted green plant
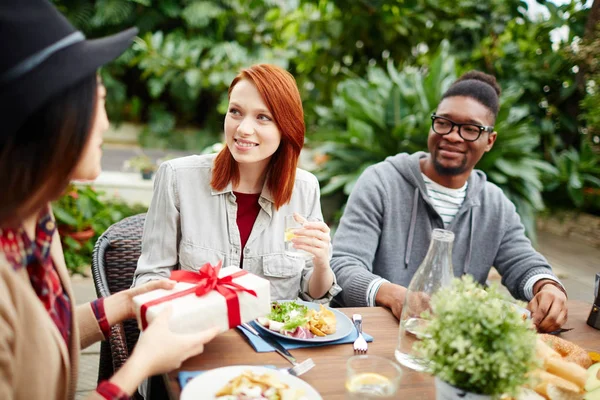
[[75, 212], [142, 163], [82, 213], [478, 344]]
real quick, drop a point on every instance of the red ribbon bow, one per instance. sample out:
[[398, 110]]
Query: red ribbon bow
[[206, 280]]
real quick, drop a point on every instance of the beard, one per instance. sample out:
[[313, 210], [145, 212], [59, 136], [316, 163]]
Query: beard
[[443, 170]]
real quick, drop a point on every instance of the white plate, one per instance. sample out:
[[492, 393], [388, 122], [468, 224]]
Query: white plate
[[343, 325], [207, 384]]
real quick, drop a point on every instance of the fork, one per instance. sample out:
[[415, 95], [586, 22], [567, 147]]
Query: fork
[[297, 368], [360, 344]]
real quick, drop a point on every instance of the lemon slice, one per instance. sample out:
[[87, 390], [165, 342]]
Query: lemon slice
[[289, 235], [371, 381]]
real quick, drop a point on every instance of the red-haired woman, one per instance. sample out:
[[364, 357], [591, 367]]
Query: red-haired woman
[[231, 206]]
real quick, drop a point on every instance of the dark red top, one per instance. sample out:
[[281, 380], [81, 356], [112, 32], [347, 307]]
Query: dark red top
[[248, 209]]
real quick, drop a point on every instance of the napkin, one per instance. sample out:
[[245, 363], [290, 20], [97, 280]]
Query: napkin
[[185, 376], [262, 347]]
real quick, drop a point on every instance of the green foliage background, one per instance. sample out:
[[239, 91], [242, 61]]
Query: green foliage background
[[81, 208], [370, 72]]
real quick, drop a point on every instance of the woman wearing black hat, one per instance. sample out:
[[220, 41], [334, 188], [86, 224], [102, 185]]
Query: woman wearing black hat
[[53, 117]]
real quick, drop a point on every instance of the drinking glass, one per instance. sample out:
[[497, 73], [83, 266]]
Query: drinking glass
[[293, 222], [371, 378]]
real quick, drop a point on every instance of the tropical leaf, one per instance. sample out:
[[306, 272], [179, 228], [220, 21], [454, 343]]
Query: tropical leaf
[[111, 12], [200, 13]]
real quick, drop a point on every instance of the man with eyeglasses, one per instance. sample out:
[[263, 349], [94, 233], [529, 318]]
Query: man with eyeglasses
[[386, 228]]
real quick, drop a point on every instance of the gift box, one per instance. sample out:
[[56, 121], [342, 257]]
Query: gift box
[[213, 296]]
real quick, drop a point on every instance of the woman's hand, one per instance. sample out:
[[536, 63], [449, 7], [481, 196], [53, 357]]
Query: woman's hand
[[119, 306], [163, 351], [314, 238], [159, 350]]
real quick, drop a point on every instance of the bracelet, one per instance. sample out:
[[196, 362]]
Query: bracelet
[[110, 391], [555, 284], [98, 309]]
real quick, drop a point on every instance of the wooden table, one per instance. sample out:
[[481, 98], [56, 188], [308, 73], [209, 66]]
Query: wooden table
[[328, 376]]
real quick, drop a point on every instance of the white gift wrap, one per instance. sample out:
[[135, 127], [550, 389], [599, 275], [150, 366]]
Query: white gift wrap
[[194, 314]]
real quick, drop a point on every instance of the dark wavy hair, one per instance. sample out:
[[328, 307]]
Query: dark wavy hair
[[36, 161], [479, 86]]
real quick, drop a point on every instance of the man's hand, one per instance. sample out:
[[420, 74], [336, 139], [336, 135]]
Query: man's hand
[[391, 296], [548, 308]]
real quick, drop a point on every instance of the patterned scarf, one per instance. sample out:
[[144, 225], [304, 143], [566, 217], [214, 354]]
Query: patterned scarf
[[21, 252]]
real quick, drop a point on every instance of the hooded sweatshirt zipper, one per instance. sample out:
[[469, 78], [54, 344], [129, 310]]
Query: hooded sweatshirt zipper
[[411, 229], [467, 206]]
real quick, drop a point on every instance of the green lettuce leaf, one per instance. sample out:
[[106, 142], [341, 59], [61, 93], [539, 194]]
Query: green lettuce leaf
[[282, 312], [292, 324]]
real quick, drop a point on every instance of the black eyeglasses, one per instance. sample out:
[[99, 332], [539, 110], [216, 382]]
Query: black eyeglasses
[[469, 132]]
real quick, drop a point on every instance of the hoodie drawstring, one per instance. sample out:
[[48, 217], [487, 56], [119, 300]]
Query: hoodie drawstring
[[411, 230], [468, 259]]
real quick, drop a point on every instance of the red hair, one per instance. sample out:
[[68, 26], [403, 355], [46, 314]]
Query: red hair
[[278, 90]]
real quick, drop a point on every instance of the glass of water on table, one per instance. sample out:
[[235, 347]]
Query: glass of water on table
[[292, 223], [371, 377]]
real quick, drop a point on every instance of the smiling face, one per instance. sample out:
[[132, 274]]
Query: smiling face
[[451, 155], [251, 133], [89, 166]]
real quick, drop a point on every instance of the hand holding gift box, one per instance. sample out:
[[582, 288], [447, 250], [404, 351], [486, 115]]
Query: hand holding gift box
[[210, 297]]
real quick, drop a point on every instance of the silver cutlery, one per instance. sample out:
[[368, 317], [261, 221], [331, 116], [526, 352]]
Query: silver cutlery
[[559, 331], [298, 368], [360, 344]]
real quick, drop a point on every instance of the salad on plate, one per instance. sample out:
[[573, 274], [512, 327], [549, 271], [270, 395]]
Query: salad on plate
[[296, 320]]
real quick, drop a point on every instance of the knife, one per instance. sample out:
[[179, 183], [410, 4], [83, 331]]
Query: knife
[[561, 330], [273, 343]]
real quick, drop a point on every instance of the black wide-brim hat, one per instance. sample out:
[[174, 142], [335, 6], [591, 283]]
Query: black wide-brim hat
[[42, 55]]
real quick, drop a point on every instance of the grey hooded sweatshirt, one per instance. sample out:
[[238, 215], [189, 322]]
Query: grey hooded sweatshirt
[[386, 230]]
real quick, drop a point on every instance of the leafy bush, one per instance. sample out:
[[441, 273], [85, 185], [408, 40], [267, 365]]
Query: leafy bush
[[585, 54], [186, 55], [80, 208], [475, 341], [189, 50], [388, 112], [529, 54], [577, 184]]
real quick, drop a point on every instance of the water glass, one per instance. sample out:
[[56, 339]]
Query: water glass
[[372, 378], [293, 222]]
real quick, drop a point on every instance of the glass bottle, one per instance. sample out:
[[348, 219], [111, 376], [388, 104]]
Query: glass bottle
[[434, 273]]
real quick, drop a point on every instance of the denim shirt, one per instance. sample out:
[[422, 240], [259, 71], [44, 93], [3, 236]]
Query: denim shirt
[[189, 224]]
